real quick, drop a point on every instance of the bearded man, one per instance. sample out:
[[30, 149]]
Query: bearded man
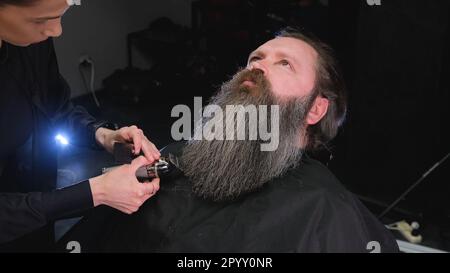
[[235, 197]]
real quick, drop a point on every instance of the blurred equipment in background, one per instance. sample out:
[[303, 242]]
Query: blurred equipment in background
[[414, 185], [87, 62], [168, 58], [408, 231]]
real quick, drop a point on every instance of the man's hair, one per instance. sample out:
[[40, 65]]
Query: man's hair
[[329, 84]]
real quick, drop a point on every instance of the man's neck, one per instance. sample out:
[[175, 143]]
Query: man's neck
[[1, 43]]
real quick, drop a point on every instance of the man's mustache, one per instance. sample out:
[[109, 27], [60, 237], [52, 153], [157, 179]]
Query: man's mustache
[[255, 76]]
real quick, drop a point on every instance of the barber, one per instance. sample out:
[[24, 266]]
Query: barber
[[34, 104]]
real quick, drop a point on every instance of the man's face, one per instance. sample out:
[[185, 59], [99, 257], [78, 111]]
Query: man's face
[[288, 64], [227, 169], [25, 25]]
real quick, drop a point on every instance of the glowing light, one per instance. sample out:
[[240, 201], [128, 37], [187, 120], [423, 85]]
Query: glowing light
[[62, 140]]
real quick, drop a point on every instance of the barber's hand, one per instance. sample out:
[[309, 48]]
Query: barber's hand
[[121, 190], [131, 134]]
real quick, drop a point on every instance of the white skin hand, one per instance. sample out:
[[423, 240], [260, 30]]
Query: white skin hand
[[132, 134], [121, 190]]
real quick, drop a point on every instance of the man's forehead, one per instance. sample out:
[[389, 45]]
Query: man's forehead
[[291, 47]]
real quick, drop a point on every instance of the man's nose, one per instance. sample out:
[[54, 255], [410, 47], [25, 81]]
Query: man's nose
[[258, 65], [54, 29]]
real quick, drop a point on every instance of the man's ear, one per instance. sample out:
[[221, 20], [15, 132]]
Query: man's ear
[[317, 111]]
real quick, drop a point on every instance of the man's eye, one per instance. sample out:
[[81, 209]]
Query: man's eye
[[254, 58], [285, 63]]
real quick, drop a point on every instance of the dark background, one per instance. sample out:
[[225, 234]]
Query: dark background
[[395, 59]]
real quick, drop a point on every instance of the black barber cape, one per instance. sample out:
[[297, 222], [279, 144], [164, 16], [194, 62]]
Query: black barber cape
[[306, 210], [34, 105]]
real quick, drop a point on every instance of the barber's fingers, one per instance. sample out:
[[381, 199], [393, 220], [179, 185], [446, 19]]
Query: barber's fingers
[[139, 162], [147, 196], [150, 188], [140, 142], [146, 191], [150, 150], [134, 134], [138, 136]]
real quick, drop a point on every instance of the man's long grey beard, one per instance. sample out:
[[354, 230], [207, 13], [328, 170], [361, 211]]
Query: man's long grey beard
[[226, 169]]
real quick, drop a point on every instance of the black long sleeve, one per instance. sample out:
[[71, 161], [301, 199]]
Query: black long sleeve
[[23, 213]]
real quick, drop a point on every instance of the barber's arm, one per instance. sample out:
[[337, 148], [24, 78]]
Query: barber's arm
[[21, 214]]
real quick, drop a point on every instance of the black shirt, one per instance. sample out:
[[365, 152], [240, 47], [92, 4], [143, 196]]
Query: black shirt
[[305, 210], [9, 103], [34, 104]]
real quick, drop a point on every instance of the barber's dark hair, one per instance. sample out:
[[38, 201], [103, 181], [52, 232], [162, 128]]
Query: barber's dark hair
[[329, 84], [17, 2]]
